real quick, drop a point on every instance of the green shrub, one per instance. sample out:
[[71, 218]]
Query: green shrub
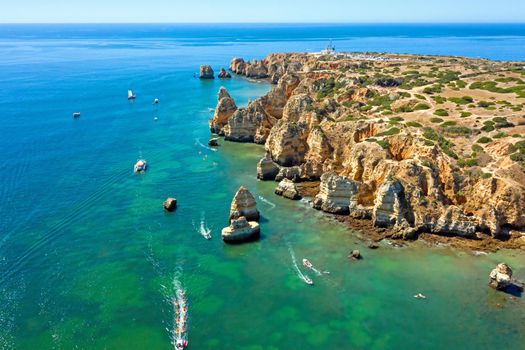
[[436, 120], [414, 124], [439, 99], [477, 148], [465, 114], [500, 135], [421, 106], [441, 112], [389, 132], [484, 139], [449, 123], [465, 100], [467, 162], [418, 96]]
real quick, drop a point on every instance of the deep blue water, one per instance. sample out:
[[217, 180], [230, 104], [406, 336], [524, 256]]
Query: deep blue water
[[88, 257]]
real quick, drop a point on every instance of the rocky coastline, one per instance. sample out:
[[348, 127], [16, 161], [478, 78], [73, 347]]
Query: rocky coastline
[[400, 146]]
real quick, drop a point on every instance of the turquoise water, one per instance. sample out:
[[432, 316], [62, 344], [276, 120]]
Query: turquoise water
[[89, 260]]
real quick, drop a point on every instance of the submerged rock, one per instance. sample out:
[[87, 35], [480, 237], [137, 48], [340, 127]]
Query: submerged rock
[[240, 230], [213, 142], [170, 204], [501, 277], [287, 189], [244, 204], [266, 168], [206, 72], [355, 254], [223, 74]]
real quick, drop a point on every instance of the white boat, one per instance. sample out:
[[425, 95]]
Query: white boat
[[131, 95], [307, 263], [308, 280], [76, 115], [140, 166], [156, 101]]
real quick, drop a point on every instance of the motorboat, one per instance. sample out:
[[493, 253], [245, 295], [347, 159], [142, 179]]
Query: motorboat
[[307, 263], [131, 95], [156, 101], [76, 115], [140, 166], [181, 344], [308, 280]]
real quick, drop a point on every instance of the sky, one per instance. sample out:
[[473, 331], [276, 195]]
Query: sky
[[249, 11]]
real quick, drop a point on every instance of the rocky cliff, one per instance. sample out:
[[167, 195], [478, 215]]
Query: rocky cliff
[[415, 144]]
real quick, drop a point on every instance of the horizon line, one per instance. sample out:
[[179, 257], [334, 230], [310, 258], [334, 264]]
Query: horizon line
[[261, 23]]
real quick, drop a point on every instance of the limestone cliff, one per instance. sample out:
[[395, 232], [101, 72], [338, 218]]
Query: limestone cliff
[[413, 150]]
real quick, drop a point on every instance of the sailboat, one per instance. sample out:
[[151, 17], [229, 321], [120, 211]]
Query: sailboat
[[131, 95]]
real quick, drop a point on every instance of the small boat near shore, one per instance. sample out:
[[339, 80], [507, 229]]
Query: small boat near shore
[[156, 101], [76, 115], [308, 280], [140, 166], [131, 95]]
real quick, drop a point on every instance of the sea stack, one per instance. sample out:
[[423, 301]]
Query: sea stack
[[225, 109], [501, 277], [223, 74], [244, 204], [206, 72], [241, 230], [170, 204]]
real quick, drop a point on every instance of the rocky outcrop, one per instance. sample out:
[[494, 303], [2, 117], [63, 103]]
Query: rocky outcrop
[[287, 143], [213, 142], [244, 204], [291, 173], [453, 222], [355, 255], [390, 207], [266, 168], [223, 74], [336, 194], [323, 120], [237, 65], [240, 231], [206, 72], [501, 277], [170, 204], [223, 112], [288, 189]]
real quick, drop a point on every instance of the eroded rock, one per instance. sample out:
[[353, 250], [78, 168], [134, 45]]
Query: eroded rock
[[206, 72], [287, 189], [243, 204], [241, 230]]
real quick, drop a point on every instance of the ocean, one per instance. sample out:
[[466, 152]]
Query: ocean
[[90, 260]]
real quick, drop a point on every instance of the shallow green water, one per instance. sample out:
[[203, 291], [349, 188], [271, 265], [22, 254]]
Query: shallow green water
[[89, 259]]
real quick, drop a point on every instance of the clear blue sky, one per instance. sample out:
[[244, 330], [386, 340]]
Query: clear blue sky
[[174, 11]]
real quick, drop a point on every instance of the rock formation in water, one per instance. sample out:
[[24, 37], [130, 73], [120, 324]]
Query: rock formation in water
[[213, 142], [288, 189], [206, 72], [241, 230], [244, 204], [266, 168], [225, 109], [170, 204], [223, 74], [412, 149], [501, 277]]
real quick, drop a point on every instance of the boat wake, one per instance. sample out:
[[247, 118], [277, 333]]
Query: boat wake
[[179, 332], [308, 265], [203, 229], [265, 201], [199, 143], [300, 274]]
